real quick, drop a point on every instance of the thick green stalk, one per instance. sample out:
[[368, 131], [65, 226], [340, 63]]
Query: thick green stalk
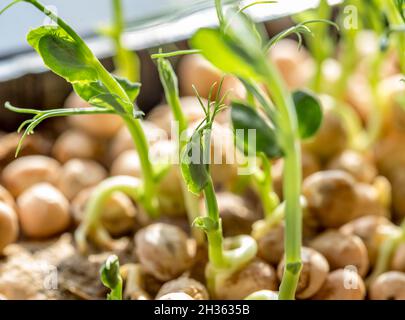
[[215, 238], [293, 220], [170, 84], [150, 200], [118, 17], [291, 184]]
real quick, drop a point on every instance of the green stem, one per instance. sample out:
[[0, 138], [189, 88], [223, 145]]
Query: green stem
[[98, 200], [292, 182], [215, 238], [348, 64], [116, 293], [174, 53], [220, 13], [264, 184], [127, 62], [170, 84], [150, 200], [375, 125], [293, 216], [118, 17]]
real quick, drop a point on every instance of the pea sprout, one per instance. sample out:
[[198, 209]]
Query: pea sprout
[[386, 250], [170, 84], [195, 169], [111, 277], [106, 94]]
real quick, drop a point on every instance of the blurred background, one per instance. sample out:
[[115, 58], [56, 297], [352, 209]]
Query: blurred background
[[85, 15]]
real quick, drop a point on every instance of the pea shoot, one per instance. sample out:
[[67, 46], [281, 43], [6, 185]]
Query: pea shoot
[[225, 256], [386, 251], [66, 54], [111, 277], [170, 84]]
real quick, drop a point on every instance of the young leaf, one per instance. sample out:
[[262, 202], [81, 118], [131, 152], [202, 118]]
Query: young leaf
[[131, 88], [88, 90], [246, 118], [235, 48], [111, 277], [62, 54], [309, 113], [108, 100], [221, 53], [194, 170]]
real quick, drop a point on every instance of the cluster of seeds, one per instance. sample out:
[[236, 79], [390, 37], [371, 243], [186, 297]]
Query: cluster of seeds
[[197, 231]]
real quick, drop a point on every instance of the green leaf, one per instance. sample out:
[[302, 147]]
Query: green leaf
[[222, 53], [111, 277], [236, 48], [107, 100], [88, 90], [131, 88], [62, 54], [309, 113], [194, 170], [247, 118], [241, 31]]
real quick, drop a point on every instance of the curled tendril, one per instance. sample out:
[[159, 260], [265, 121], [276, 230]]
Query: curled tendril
[[173, 53], [10, 5], [40, 115], [298, 30], [211, 108], [244, 8]]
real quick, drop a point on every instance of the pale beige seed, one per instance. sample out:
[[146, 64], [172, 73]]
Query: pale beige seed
[[24, 172], [43, 211]]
